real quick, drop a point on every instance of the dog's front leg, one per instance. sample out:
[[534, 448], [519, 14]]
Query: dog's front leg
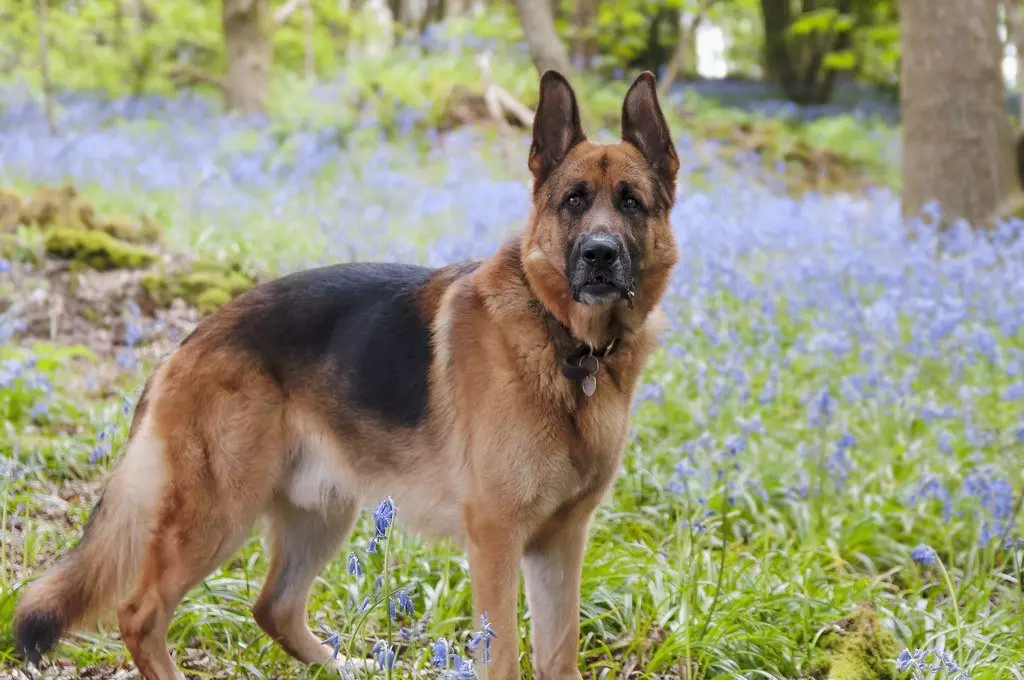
[[552, 566], [494, 551]]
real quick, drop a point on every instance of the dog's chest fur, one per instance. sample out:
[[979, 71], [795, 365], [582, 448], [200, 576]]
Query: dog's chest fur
[[526, 431]]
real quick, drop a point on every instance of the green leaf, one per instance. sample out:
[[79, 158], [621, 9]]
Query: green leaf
[[841, 61]]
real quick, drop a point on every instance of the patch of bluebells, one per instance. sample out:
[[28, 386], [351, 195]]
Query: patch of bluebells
[[831, 288]]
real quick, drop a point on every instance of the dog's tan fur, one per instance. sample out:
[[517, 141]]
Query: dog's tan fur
[[511, 460]]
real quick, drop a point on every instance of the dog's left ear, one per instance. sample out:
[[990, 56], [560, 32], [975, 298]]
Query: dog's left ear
[[644, 126]]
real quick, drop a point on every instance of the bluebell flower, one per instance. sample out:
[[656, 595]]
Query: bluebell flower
[[924, 555], [354, 567], [483, 637], [440, 653], [384, 654], [334, 640], [383, 516]]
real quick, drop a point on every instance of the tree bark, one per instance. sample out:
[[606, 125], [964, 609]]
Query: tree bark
[[310, 62], [797, 63], [546, 48], [684, 57], [44, 67], [956, 135], [586, 39], [247, 39], [452, 8], [1015, 26]]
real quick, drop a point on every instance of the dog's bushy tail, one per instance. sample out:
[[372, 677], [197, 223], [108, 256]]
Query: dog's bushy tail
[[87, 582]]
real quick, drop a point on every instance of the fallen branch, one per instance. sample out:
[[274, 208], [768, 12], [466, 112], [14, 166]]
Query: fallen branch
[[521, 112], [189, 75], [495, 108]]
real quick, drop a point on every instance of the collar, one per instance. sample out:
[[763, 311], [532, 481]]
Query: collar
[[580, 360], [585, 360]]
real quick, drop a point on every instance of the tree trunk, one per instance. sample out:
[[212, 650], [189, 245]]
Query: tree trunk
[[452, 8], [247, 41], [956, 136], [44, 67], [776, 17], [797, 63], [310, 62], [585, 49], [1015, 26], [546, 48], [684, 58]]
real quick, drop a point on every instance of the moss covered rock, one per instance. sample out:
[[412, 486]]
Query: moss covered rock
[[205, 284], [11, 205], [863, 650], [58, 207], [95, 249], [131, 230], [8, 245], [212, 299]]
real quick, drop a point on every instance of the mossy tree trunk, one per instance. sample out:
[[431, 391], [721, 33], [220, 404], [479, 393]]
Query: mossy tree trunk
[[247, 25], [546, 48], [957, 146]]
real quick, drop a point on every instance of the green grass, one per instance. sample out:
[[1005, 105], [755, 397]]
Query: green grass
[[738, 575], [751, 592]]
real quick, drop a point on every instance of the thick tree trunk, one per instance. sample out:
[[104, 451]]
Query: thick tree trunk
[[546, 48], [247, 39], [956, 135]]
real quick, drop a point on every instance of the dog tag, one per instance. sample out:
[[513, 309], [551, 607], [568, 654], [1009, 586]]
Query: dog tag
[[589, 385]]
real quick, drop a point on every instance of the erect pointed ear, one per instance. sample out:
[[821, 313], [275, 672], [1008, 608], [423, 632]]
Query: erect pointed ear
[[644, 126], [556, 126]]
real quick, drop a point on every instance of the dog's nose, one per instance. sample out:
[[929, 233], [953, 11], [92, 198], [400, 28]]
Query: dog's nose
[[600, 250]]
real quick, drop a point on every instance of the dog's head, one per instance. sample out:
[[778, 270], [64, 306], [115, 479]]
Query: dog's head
[[599, 233]]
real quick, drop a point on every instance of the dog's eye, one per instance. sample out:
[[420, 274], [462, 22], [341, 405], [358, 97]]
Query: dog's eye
[[630, 203], [574, 201]]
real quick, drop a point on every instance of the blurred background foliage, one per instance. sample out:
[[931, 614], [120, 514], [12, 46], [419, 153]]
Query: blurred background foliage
[[825, 71], [136, 47]]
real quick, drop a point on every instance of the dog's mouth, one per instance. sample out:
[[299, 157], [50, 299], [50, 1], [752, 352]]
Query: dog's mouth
[[601, 292]]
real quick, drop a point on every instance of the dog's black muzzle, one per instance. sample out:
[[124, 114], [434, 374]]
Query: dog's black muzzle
[[600, 269]]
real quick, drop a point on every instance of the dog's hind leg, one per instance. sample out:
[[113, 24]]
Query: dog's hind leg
[[175, 562], [217, 430], [301, 541]]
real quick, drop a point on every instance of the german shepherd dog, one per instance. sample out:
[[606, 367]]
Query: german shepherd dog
[[490, 400]]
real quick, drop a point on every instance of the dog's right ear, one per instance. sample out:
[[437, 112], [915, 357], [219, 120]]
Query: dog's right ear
[[556, 126]]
